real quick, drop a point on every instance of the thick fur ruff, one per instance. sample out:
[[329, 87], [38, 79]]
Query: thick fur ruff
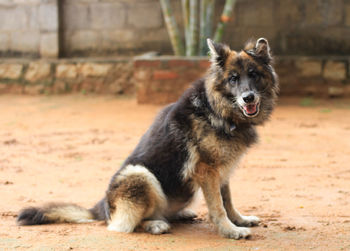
[[193, 143]]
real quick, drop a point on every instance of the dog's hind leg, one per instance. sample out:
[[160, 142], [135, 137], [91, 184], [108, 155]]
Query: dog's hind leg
[[134, 195], [233, 214], [184, 215], [126, 216]]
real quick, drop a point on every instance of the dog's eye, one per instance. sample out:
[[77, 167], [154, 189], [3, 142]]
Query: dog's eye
[[234, 78], [253, 74]]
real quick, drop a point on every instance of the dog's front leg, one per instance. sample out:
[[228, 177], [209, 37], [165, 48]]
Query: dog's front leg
[[210, 184], [232, 213]]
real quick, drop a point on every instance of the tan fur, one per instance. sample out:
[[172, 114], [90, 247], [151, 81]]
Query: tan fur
[[209, 180], [68, 213], [127, 212]]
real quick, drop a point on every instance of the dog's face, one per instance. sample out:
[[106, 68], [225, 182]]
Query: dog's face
[[242, 85]]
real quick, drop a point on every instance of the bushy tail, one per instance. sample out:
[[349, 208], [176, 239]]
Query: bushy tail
[[59, 213]]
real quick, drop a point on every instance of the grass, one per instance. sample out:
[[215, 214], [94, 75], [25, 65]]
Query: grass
[[326, 110], [307, 102]]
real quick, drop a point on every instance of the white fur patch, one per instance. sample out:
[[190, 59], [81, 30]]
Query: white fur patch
[[126, 217], [152, 180]]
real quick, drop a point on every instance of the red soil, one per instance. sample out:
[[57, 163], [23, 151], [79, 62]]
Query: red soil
[[67, 148]]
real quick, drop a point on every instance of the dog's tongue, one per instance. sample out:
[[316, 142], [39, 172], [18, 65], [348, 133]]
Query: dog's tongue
[[250, 109]]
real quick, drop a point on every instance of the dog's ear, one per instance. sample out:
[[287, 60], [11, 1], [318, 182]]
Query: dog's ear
[[218, 53], [260, 49]]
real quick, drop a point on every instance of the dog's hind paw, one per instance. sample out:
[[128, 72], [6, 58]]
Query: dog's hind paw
[[184, 215], [248, 221], [156, 226]]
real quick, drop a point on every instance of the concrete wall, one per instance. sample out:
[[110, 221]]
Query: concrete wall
[[105, 27], [121, 27], [28, 28]]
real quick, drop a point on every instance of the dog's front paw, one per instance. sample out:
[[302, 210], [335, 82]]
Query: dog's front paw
[[248, 221], [234, 232]]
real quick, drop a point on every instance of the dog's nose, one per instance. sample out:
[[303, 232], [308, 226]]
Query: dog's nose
[[248, 97]]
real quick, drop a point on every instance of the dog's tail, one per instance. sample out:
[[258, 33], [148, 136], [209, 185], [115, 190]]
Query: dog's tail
[[61, 213]]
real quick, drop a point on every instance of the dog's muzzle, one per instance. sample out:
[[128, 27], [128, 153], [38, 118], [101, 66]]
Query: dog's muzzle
[[250, 105]]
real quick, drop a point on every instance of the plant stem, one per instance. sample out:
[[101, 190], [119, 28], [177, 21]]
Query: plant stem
[[172, 28], [192, 40], [225, 17], [206, 24]]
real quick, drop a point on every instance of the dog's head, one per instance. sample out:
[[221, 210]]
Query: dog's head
[[242, 86]]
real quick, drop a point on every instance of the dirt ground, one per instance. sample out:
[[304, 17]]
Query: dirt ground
[[66, 148]]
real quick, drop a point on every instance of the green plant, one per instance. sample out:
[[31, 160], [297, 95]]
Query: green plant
[[195, 32]]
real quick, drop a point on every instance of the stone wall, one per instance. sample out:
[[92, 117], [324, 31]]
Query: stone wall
[[161, 80], [128, 27], [28, 28], [66, 76]]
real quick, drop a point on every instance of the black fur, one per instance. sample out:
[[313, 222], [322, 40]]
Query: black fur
[[32, 216]]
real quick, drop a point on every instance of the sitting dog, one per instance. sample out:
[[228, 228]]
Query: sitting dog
[[193, 143]]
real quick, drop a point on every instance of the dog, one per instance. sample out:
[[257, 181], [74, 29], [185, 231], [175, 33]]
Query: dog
[[193, 143]]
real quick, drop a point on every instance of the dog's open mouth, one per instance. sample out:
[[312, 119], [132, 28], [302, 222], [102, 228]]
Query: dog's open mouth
[[251, 110]]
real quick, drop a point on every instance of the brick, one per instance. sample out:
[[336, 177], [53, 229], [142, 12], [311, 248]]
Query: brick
[[334, 70], [335, 91], [68, 71], [334, 12], [309, 68], [181, 63], [76, 16], [34, 89], [49, 45], [142, 75], [163, 75], [145, 15], [27, 1], [261, 16], [204, 64], [25, 41], [115, 88], [347, 15], [10, 71], [13, 19], [38, 71], [59, 87], [4, 42], [4, 88], [33, 17], [114, 39], [288, 12], [313, 13], [84, 40], [147, 63], [108, 16], [48, 17], [6, 3], [95, 69]]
